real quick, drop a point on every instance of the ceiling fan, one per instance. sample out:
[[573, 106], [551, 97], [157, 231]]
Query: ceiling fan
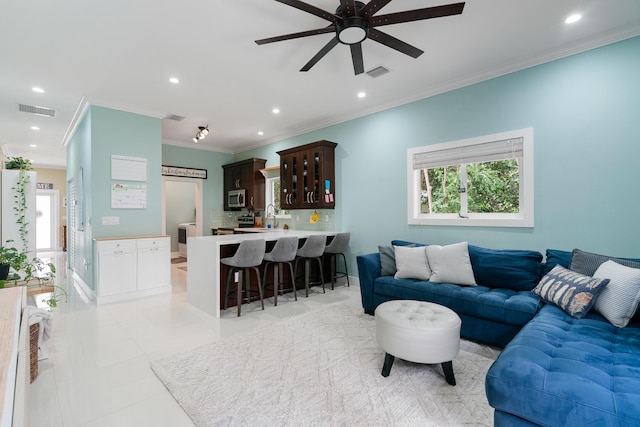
[[354, 22]]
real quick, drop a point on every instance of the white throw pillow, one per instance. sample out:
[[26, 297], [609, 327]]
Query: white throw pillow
[[411, 263], [451, 264], [619, 300]]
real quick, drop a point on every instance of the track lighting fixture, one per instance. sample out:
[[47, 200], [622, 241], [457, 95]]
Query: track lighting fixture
[[202, 132]]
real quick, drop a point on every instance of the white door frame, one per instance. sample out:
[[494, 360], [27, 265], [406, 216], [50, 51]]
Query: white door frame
[[199, 201], [55, 219]]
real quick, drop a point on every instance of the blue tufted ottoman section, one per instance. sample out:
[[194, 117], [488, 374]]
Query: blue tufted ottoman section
[[561, 371]]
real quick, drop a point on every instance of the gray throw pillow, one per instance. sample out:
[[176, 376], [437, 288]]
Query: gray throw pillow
[[587, 263], [387, 260]]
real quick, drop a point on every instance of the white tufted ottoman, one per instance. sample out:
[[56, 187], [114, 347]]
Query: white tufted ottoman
[[417, 331]]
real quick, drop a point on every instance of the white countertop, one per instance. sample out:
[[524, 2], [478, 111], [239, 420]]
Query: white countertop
[[203, 263], [260, 233]]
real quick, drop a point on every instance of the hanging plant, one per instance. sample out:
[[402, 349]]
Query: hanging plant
[[18, 163], [20, 206]]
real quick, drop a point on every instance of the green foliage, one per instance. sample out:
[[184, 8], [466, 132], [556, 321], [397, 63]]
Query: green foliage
[[18, 163], [20, 206], [492, 187]]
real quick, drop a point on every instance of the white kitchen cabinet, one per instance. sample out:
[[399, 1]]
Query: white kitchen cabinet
[[132, 267], [154, 263]]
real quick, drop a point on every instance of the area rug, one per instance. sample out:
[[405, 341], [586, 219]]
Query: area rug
[[323, 369], [178, 260]]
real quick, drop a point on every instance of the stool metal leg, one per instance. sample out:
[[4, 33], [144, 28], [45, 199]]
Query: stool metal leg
[[239, 296], [293, 280], [321, 274], [259, 286], [226, 288]]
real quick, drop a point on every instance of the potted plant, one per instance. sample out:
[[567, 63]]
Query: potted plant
[[18, 163], [10, 257]]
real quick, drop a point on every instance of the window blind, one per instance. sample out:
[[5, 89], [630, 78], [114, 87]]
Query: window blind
[[476, 153]]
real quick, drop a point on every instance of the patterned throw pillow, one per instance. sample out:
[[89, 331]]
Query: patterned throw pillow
[[573, 292], [619, 301]]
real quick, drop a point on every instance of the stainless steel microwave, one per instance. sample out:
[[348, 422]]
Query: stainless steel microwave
[[236, 198]]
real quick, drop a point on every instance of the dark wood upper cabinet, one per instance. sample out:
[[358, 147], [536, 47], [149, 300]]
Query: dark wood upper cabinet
[[246, 175], [307, 176]]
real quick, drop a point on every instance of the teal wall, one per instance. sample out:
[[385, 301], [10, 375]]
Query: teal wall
[[104, 132], [120, 133], [79, 157], [585, 111]]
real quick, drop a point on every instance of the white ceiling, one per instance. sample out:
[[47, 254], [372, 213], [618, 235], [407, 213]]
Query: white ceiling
[[121, 54]]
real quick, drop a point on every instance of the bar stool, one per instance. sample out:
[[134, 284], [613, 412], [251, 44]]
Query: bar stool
[[283, 252], [248, 256], [313, 248], [338, 246]]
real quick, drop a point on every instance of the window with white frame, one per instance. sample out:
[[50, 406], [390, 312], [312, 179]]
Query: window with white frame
[[272, 197], [483, 181]]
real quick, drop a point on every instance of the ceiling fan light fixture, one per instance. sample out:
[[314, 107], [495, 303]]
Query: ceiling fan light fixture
[[352, 30]]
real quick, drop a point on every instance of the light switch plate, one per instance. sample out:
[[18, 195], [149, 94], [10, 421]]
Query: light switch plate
[[110, 220]]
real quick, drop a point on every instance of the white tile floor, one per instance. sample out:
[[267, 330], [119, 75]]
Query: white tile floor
[[98, 373]]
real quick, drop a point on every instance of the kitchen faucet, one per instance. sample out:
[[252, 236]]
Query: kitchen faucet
[[271, 216]]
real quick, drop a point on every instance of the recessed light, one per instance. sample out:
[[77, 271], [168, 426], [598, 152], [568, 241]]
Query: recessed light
[[37, 89], [33, 146], [35, 128], [276, 111], [573, 18], [260, 133], [362, 94], [174, 80]]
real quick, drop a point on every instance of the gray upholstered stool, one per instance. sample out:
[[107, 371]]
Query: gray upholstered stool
[[313, 248], [283, 252], [248, 256], [338, 246], [420, 332]]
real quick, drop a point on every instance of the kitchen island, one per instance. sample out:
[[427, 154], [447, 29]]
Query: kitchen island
[[203, 263]]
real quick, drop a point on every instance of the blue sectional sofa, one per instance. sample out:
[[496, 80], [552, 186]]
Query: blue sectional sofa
[[555, 370]]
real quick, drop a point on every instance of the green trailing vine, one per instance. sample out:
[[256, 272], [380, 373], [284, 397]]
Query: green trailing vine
[[20, 206], [35, 268]]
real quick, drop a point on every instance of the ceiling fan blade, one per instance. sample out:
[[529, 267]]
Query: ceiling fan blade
[[417, 14], [394, 43], [332, 43], [311, 9], [356, 56], [372, 7], [349, 7], [324, 30]]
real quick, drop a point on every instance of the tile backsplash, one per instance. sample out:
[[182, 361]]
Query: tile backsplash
[[298, 220]]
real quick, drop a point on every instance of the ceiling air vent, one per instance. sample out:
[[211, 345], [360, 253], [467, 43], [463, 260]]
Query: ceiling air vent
[[378, 71], [40, 111], [174, 117]]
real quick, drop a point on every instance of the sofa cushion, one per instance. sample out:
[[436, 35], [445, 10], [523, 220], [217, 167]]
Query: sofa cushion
[[498, 305], [573, 292], [555, 257], [387, 260], [411, 263], [450, 264], [519, 270], [587, 263], [619, 300], [564, 371]]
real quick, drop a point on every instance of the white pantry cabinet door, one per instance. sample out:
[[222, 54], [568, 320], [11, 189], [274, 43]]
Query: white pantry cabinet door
[[116, 267], [154, 263]]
